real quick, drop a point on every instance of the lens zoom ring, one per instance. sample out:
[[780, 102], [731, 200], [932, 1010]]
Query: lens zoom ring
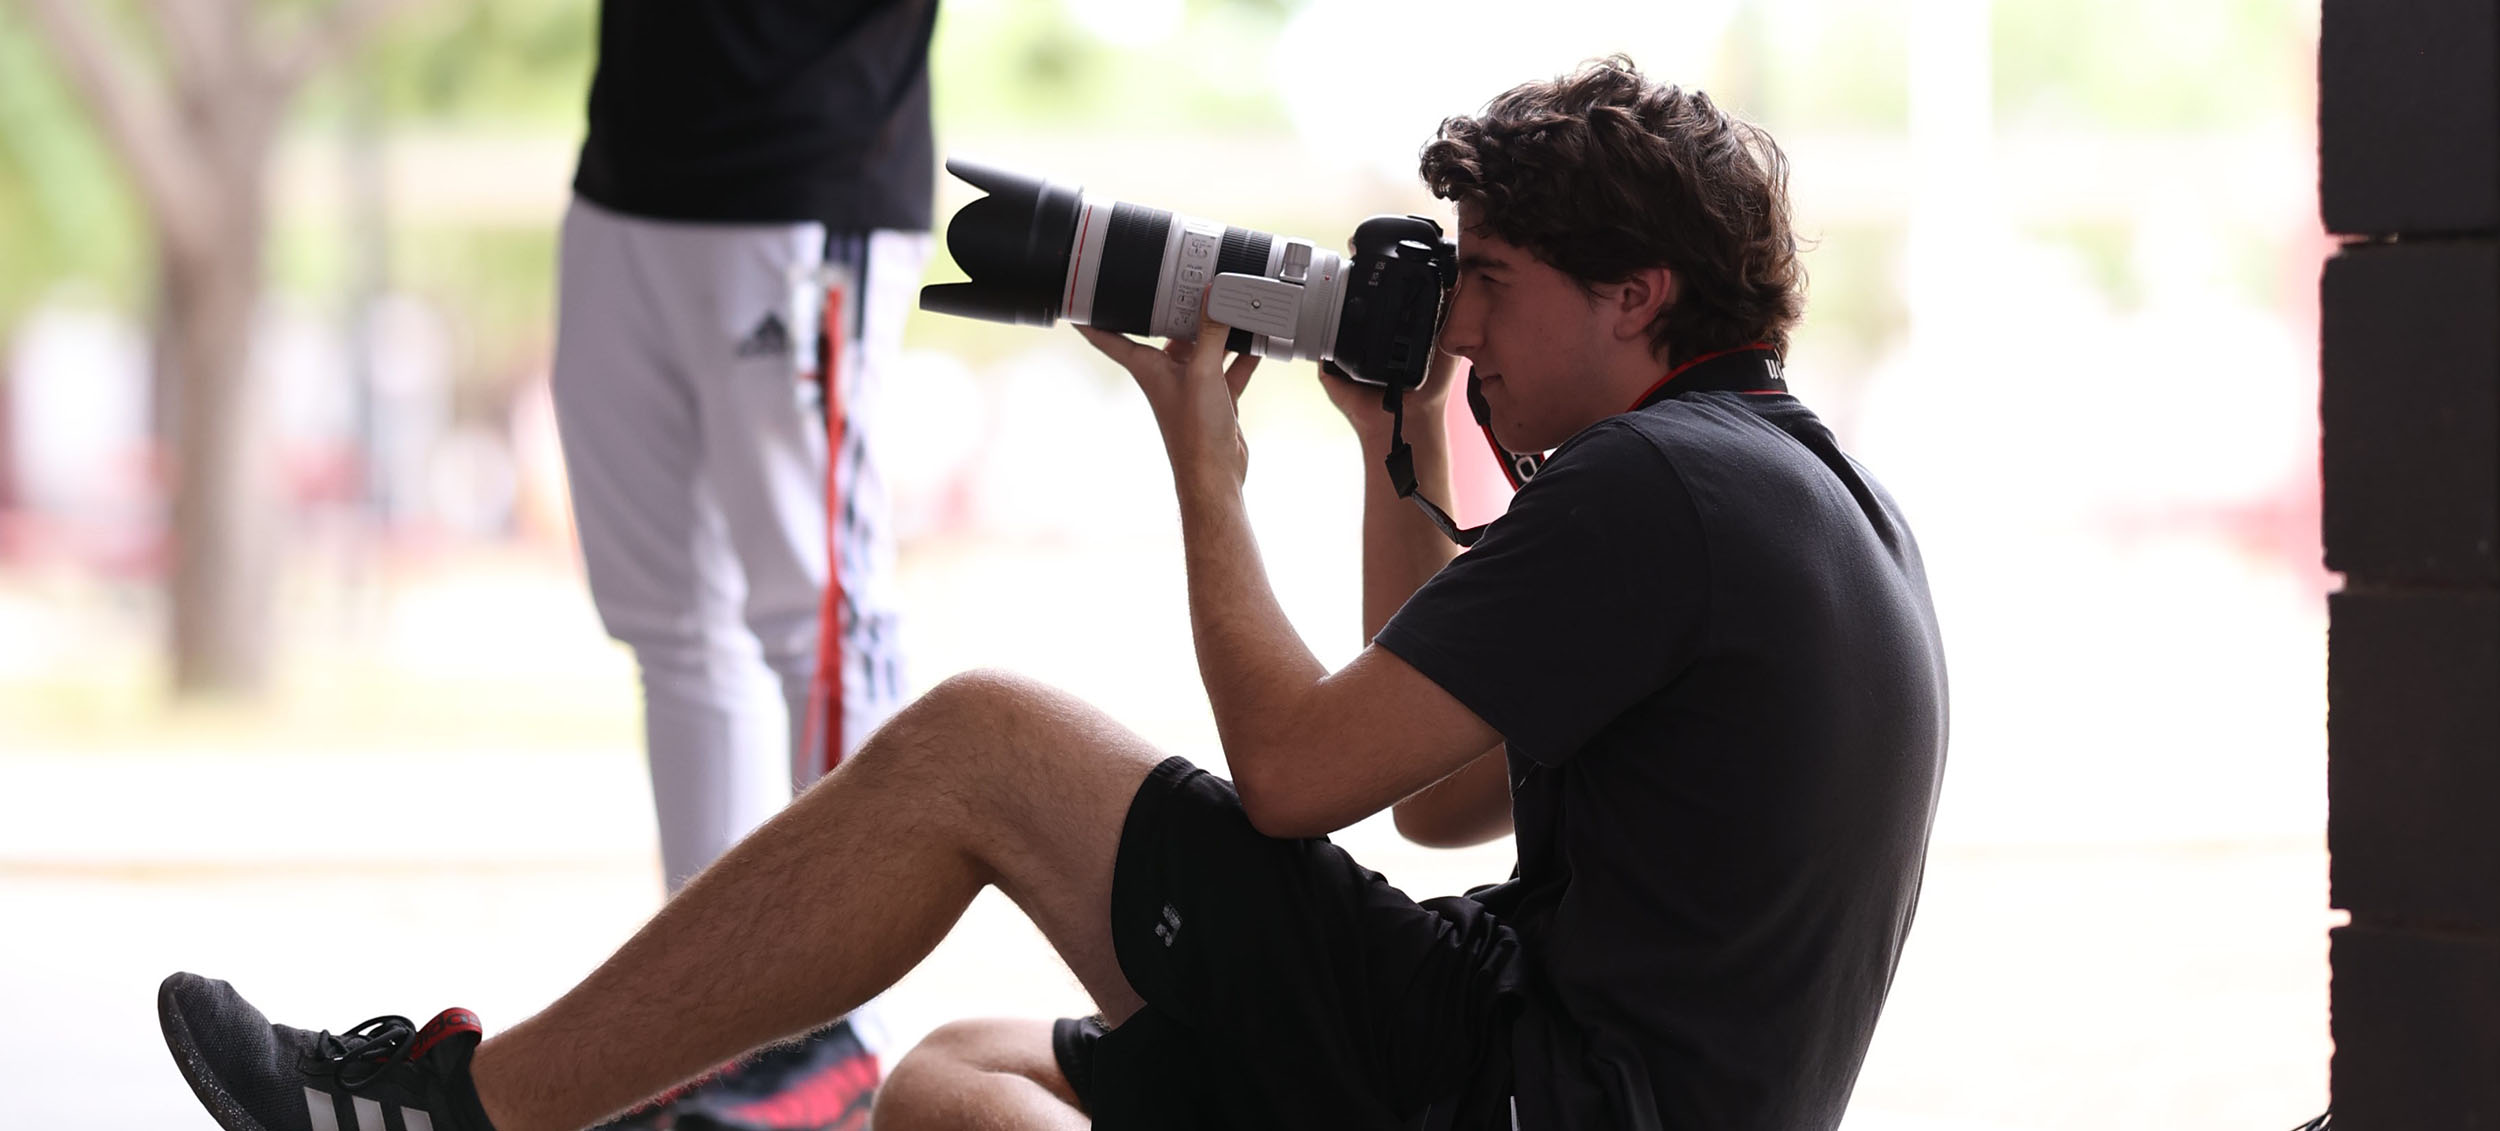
[[1244, 252], [1132, 259]]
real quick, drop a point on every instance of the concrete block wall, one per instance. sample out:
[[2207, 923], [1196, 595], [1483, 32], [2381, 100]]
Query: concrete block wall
[[2409, 172]]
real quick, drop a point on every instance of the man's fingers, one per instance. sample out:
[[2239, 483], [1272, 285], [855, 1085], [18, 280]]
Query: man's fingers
[[1204, 363], [1118, 347], [1237, 375], [1142, 361], [1207, 365], [1199, 366]]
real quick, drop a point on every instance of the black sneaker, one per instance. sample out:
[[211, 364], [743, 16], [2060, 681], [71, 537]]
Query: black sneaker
[[825, 1081], [384, 1075]]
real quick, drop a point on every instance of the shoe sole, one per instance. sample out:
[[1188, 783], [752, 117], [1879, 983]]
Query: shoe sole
[[195, 1072]]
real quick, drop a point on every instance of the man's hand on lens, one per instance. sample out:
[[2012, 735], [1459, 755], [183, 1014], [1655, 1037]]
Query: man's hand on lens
[[1193, 393]]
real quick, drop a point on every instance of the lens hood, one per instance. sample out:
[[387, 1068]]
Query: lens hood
[[1014, 245]]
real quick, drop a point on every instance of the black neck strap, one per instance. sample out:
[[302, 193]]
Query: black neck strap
[[1753, 370]]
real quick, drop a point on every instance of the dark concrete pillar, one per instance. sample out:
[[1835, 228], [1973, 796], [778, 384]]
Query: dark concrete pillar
[[2409, 160]]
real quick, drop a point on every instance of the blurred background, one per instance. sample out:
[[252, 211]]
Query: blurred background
[[2064, 260]]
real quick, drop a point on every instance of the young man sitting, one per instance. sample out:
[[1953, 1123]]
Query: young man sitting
[[1695, 667]]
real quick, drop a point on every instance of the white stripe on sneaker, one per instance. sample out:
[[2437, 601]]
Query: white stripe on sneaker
[[369, 1115], [325, 1115], [416, 1120]]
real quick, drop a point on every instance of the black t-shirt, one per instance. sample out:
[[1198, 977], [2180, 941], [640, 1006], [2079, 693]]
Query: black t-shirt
[[1706, 636], [763, 111]]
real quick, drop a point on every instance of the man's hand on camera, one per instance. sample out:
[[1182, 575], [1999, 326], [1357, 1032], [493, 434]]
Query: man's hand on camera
[[1193, 394], [1360, 403]]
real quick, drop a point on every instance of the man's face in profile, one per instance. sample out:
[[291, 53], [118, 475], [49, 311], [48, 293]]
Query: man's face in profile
[[1533, 335]]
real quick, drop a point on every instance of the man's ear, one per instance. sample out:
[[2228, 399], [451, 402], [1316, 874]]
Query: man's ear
[[1648, 291]]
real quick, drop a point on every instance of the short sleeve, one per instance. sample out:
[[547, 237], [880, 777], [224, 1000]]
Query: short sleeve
[[1586, 598]]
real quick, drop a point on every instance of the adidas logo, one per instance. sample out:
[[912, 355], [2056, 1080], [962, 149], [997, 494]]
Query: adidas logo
[[323, 1107], [1169, 930], [769, 338]]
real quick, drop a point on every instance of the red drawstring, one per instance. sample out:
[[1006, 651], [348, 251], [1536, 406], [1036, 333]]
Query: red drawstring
[[823, 729]]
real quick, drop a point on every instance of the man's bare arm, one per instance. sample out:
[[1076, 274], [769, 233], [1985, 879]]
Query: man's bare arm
[[1402, 549], [1310, 752], [1469, 807]]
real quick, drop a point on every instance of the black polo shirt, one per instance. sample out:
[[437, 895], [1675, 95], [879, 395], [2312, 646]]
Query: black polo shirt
[[1706, 635], [763, 111]]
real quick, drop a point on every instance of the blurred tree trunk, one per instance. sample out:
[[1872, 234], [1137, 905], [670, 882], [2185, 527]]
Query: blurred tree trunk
[[192, 117]]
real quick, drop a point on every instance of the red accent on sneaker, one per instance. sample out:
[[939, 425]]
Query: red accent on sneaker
[[835, 1098], [446, 1023]]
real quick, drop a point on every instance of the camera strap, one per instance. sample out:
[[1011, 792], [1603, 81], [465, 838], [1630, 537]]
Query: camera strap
[[1753, 370], [1401, 463]]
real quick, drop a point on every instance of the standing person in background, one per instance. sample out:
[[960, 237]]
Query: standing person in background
[[739, 151]]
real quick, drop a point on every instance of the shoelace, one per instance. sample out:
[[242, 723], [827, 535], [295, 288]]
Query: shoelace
[[383, 1042]]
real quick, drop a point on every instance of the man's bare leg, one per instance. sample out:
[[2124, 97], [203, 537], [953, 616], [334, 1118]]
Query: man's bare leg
[[979, 1074], [986, 780]]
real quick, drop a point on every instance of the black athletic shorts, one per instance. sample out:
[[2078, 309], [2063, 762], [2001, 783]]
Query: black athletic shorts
[[1286, 985]]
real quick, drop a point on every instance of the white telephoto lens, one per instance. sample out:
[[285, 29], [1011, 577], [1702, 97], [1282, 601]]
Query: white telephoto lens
[[1189, 255], [1093, 229]]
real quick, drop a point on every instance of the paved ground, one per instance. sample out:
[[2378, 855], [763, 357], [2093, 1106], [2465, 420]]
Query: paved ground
[[2045, 988]]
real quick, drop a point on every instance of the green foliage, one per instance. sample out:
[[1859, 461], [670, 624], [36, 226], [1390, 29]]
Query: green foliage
[[1853, 301], [1827, 66], [65, 209], [1055, 66], [505, 64], [1012, 63], [499, 284], [2153, 64], [1842, 65]]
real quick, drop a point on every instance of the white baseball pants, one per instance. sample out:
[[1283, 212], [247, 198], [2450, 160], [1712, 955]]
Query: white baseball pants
[[694, 440]]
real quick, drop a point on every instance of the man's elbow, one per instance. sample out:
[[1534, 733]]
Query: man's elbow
[[1420, 827], [1277, 812], [1431, 828], [1431, 825]]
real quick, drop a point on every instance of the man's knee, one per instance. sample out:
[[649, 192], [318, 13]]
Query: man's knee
[[951, 743], [1023, 757], [984, 689], [953, 1057], [976, 705], [992, 1044]]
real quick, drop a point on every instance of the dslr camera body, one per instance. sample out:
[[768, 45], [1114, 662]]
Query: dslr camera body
[[1037, 252]]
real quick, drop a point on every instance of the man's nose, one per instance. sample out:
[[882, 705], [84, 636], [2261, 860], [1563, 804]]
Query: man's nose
[[1458, 333]]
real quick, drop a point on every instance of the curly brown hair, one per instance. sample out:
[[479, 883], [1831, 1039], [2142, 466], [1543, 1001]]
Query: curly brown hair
[[1602, 173]]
